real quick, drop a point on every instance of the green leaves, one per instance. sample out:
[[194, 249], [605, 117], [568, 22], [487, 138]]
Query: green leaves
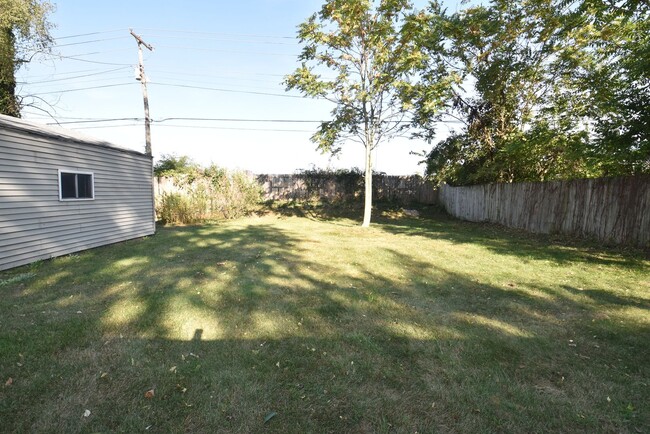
[[556, 90], [373, 54], [372, 50], [24, 29]]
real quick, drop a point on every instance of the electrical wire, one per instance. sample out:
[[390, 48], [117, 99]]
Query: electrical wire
[[159, 121], [194, 32], [270, 86], [236, 120], [68, 72], [220, 39], [174, 85], [93, 53], [75, 77], [200, 127], [88, 61], [92, 41], [236, 128], [85, 88], [218, 50], [89, 34], [225, 90], [231, 72]]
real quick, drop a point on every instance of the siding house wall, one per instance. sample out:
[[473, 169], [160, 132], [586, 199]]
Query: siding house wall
[[35, 224]]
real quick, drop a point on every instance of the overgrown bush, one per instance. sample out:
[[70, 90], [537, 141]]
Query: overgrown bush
[[199, 194], [339, 184], [177, 208]]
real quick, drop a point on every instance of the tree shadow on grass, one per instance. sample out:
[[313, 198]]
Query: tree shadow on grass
[[228, 324], [515, 242], [435, 223]]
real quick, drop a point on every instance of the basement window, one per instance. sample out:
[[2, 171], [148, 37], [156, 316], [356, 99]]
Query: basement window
[[74, 185]]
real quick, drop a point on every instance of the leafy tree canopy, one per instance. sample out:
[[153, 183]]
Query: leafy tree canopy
[[362, 56], [550, 89], [170, 164], [24, 30]]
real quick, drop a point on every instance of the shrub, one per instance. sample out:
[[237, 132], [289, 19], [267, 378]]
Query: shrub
[[177, 208], [208, 194]]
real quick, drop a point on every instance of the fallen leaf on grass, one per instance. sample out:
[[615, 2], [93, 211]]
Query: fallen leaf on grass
[[149, 394], [104, 375], [270, 416], [9, 381], [172, 369]]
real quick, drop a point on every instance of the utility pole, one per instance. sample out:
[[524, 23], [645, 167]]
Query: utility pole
[[143, 79]]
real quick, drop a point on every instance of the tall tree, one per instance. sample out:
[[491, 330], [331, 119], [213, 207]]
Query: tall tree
[[24, 29], [557, 89], [513, 126], [370, 47], [607, 44]]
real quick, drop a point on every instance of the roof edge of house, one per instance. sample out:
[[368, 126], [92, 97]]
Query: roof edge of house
[[63, 134]]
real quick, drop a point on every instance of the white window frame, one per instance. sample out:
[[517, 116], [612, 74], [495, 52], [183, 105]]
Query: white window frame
[[76, 172]]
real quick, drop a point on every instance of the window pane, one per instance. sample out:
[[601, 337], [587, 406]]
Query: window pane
[[85, 186], [68, 190]]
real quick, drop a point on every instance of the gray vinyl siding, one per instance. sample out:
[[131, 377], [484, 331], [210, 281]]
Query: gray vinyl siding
[[35, 224]]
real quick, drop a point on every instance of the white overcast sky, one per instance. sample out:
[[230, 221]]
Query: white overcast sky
[[211, 59]]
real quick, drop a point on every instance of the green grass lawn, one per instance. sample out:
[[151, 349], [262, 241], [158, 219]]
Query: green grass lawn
[[414, 325]]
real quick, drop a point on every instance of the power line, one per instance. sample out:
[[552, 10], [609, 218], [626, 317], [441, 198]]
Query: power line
[[175, 85], [108, 126], [239, 120], [199, 127], [225, 76], [46, 87], [236, 128], [91, 121], [92, 41], [226, 90], [217, 50], [88, 34], [93, 53], [194, 32], [269, 85], [75, 77], [222, 39], [85, 88], [158, 121], [69, 72], [87, 61]]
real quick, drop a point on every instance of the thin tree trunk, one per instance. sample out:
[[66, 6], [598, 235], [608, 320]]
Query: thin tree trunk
[[367, 208]]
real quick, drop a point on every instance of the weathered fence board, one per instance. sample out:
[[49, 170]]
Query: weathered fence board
[[405, 189], [612, 210]]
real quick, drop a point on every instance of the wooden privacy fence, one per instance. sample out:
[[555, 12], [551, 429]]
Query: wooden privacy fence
[[404, 189], [612, 210]]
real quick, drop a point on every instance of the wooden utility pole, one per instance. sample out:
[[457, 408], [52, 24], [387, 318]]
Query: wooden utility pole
[[143, 80]]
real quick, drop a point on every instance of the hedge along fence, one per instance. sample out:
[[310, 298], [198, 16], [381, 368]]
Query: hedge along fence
[[347, 185], [213, 194], [611, 210]]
